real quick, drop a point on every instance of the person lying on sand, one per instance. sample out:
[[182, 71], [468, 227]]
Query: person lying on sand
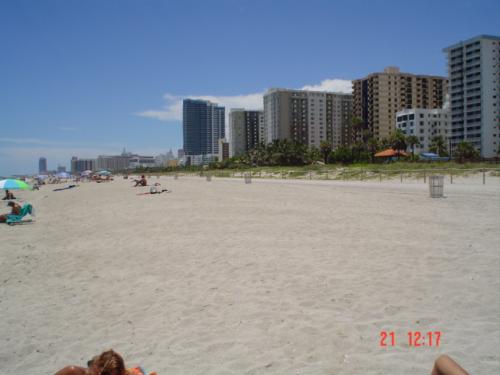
[[15, 210], [8, 195], [107, 363], [111, 363], [155, 190], [444, 365], [141, 182]]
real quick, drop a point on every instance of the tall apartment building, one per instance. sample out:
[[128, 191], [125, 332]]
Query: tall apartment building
[[42, 165], [81, 165], [307, 117], [377, 97], [246, 130], [474, 70], [425, 124], [203, 125], [223, 150]]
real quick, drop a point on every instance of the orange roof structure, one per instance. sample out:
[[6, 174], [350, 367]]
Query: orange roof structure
[[390, 153]]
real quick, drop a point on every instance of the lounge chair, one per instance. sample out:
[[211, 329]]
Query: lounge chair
[[18, 219]]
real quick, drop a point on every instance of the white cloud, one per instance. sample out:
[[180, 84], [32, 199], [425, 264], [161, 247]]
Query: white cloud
[[336, 85], [172, 110]]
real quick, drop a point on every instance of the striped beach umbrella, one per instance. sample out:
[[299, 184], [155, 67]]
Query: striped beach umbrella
[[12, 184]]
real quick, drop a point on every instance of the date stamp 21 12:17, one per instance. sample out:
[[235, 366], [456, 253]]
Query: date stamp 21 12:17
[[414, 339]]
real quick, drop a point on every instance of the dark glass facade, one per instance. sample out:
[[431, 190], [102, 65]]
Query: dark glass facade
[[202, 125]]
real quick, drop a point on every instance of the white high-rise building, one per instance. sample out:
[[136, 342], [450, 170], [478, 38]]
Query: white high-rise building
[[307, 117], [474, 71], [425, 124]]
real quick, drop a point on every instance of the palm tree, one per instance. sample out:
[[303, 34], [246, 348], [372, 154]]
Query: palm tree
[[438, 145], [325, 148], [357, 125], [412, 141], [373, 145], [398, 141], [466, 151]]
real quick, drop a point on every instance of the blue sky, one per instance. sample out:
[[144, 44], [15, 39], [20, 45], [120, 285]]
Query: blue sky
[[88, 77]]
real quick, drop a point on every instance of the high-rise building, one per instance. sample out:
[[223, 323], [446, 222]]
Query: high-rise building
[[474, 70], [341, 133], [81, 165], [61, 168], [246, 130], [42, 165], [180, 153], [425, 124], [223, 150], [307, 117], [203, 125], [377, 97]]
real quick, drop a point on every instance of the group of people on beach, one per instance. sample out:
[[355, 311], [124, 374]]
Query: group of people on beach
[[112, 363]]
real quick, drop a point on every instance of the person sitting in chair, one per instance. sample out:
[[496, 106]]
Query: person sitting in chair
[[8, 196], [15, 210]]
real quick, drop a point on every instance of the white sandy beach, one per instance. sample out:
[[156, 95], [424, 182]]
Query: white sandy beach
[[275, 277]]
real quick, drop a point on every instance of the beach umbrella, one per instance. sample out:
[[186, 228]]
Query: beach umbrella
[[88, 172], [104, 173], [11, 184]]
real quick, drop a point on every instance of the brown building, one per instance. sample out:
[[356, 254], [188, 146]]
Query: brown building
[[378, 97]]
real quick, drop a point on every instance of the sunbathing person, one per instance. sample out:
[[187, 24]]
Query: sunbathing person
[[8, 195], [444, 365], [141, 182], [155, 190], [107, 363], [15, 210]]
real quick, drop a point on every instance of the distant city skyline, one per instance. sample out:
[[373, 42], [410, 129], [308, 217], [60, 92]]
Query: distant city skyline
[[90, 78]]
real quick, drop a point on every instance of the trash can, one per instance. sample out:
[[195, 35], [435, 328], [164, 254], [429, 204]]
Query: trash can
[[248, 178], [209, 177], [436, 186]]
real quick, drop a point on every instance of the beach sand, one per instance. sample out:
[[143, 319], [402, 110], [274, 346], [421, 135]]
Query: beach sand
[[274, 277]]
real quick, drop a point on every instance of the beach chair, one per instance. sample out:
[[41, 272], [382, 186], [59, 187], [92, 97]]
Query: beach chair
[[18, 219]]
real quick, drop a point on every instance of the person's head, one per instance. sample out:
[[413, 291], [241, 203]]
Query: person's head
[[6, 192], [107, 363], [143, 176], [11, 204]]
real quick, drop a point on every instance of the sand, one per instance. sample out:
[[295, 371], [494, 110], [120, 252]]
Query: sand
[[274, 277]]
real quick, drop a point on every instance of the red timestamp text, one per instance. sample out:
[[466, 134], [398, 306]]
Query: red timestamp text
[[414, 339]]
